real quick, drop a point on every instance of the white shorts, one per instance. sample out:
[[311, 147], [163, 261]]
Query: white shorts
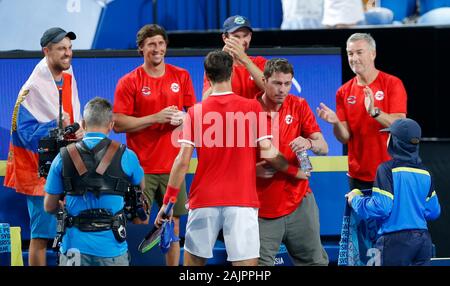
[[240, 232]]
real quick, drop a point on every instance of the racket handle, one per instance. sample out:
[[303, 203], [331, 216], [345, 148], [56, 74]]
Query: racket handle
[[347, 209], [170, 205]]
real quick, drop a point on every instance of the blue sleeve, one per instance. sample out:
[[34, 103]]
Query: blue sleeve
[[132, 167], [54, 184], [375, 206], [432, 206], [379, 205]]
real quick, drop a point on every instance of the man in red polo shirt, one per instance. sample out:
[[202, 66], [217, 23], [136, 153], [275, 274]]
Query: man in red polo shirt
[[288, 211], [225, 129], [371, 101], [247, 71], [147, 105]]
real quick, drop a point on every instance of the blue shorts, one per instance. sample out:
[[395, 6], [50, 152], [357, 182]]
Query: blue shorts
[[42, 224]]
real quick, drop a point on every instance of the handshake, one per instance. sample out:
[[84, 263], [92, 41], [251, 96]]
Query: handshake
[[171, 115]]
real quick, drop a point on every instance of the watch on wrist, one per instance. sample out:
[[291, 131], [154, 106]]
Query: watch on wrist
[[375, 113]]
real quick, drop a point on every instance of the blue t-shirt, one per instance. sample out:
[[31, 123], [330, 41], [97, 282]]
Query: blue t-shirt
[[102, 243]]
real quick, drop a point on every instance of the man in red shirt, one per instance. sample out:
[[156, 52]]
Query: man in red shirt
[[288, 212], [247, 71], [148, 105], [372, 100], [226, 129]]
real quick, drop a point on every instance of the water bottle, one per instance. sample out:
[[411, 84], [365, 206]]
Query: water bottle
[[5, 245], [305, 163]]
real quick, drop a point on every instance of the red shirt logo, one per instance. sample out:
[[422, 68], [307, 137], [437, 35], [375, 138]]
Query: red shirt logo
[[146, 91], [379, 95], [351, 99], [288, 119], [175, 87]]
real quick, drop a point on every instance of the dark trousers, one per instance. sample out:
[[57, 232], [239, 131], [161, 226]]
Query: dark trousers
[[405, 248], [358, 184]]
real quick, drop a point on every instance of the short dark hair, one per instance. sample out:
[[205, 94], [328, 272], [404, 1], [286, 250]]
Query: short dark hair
[[278, 65], [149, 31], [218, 66], [97, 112]]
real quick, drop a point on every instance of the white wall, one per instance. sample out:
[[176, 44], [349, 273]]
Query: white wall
[[22, 22]]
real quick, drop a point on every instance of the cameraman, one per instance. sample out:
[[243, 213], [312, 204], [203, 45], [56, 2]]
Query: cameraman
[[94, 174], [36, 112]]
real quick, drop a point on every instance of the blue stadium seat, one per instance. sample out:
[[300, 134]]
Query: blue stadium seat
[[401, 8], [440, 16], [428, 5], [379, 16]]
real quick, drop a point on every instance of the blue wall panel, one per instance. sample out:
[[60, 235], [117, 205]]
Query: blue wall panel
[[120, 22], [318, 75]]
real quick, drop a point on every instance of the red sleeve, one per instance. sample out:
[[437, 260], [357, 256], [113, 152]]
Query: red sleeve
[[264, 122], [124, 96], [187, 135], [189, 96], [308, 121], [206, 84], [340, 110], [397, 96]]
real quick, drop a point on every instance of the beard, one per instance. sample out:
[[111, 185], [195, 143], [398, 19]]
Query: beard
[[62, 66]]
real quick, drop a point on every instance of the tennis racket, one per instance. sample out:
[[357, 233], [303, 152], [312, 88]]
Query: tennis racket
[[154, 236]]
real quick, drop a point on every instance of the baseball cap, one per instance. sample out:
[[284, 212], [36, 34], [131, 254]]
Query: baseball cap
[[55, 35], [406, 130], [233, 23]]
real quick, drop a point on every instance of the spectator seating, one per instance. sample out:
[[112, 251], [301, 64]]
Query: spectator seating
[[400, 8], [439, 16], [428, 5]]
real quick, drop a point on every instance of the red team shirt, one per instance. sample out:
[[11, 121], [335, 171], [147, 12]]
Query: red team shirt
[[242, 82], [138, 94], [282, 194], [367, 147], [226, 172]]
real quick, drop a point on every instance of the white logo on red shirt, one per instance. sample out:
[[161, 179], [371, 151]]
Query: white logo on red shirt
[[379, 95], [351, 99], [250, 77], [146, 91], [175, 87], [288, 119]]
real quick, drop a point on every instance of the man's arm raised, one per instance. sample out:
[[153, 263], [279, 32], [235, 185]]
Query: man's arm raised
[[340, 128]]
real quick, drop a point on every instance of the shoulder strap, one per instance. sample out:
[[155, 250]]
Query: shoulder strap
[[81, 145], [76, 159], [100, 145], [107, 158]]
